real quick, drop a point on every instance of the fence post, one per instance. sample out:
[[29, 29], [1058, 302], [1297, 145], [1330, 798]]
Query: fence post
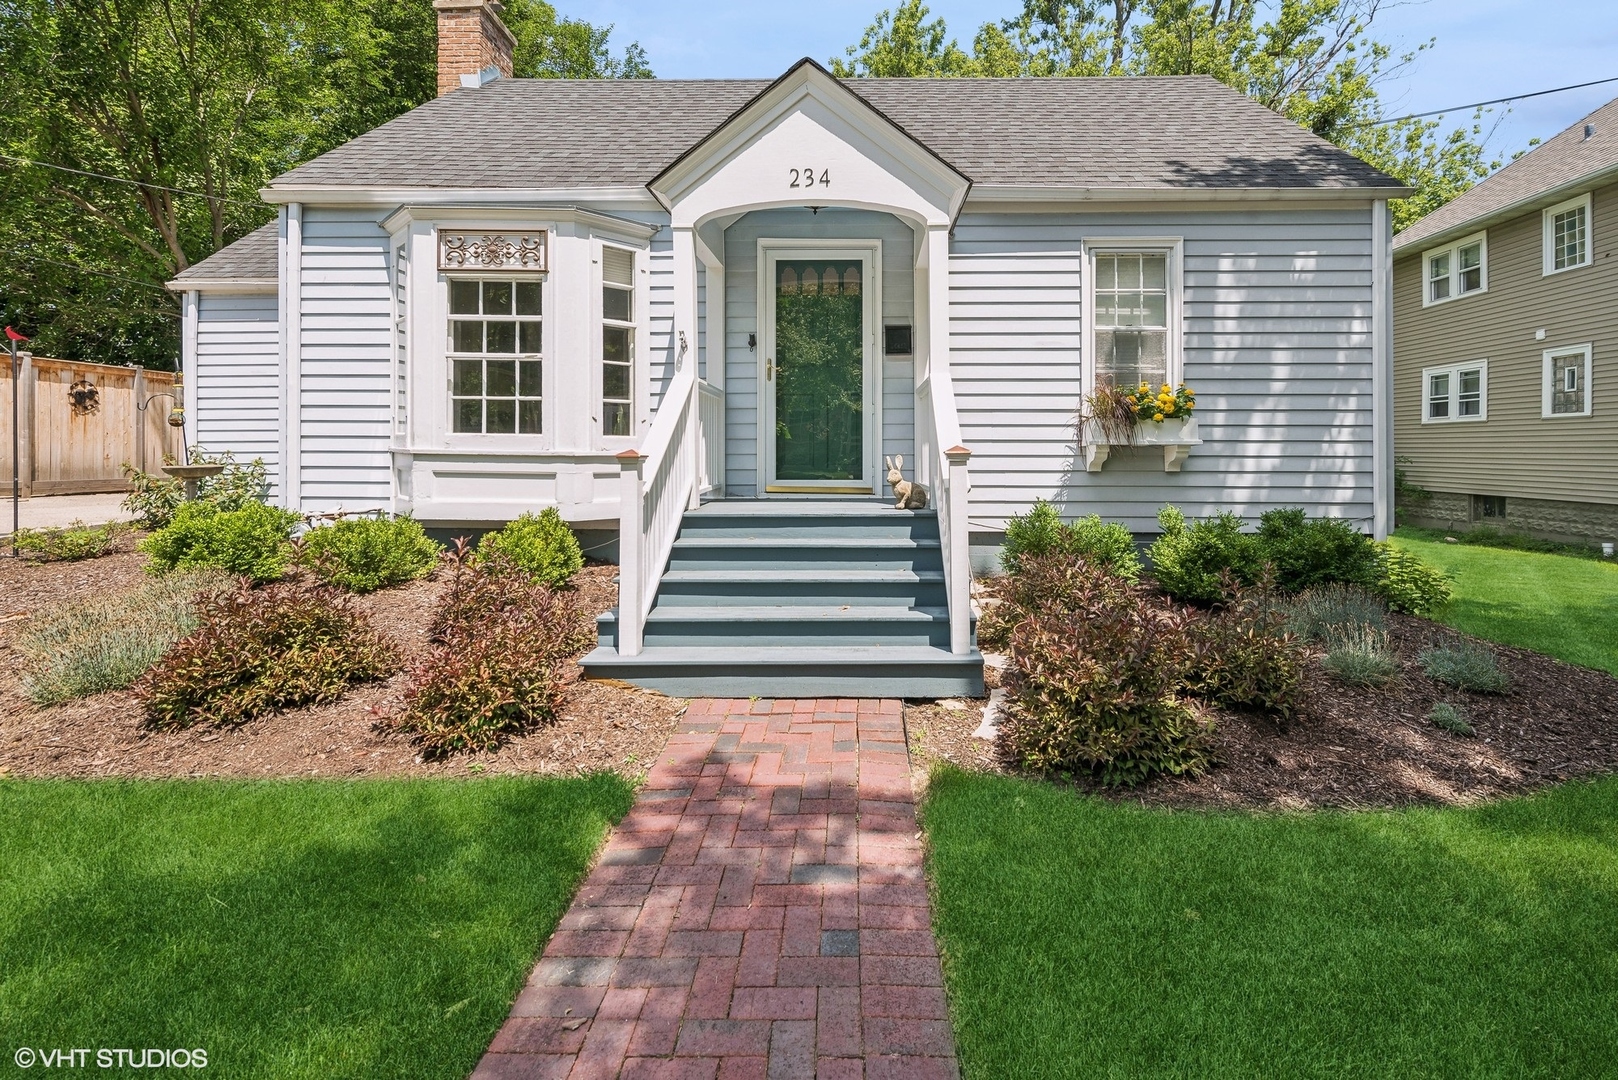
[[25, 428]]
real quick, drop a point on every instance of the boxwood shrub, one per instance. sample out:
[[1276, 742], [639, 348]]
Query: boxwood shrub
[[541, 545], [1042, 531], [253, 542], [366, 554]]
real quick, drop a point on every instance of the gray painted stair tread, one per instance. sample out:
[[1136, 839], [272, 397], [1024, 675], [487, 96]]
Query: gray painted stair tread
[[775, 540], [791, 613], [785, 508], [789, 655], [829, 576]]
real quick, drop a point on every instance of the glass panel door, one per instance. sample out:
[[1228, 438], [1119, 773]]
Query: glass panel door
[[819, 370]]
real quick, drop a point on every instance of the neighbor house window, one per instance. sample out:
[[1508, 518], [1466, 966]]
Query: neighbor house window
[[1456, 270], [1458, 392], [1567, 381], [1132, 297], [617, 341], [1567, 235], [496, 356], [1486, 507]]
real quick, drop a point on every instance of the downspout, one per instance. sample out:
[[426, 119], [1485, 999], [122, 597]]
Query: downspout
[[291, 257], [1382, 368], [191, 423]]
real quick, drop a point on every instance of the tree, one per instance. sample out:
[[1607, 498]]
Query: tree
[[167, 116], [1312, 61]]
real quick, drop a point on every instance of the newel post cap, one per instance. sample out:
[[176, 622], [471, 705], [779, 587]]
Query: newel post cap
[[957, 455], [630, 459]]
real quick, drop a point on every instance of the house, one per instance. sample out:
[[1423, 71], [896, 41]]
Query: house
[[1506, 345], [698, 317]]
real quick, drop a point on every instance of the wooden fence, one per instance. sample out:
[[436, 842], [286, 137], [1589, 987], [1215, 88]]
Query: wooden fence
[[81, 423]]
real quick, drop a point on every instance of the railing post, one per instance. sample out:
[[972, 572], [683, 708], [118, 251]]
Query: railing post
[[693, 442], [631, 552], [959, 554]]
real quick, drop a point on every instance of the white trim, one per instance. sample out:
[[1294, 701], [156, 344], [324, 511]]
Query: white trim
[[1058, 193], [292, 355], [1382, 454], [624, 196], [188, 353], [1454, 373], [1174, 278], [507, 217], [870, 254], [1547, 217], [1453, 250], [232, 286], [1546, 389]]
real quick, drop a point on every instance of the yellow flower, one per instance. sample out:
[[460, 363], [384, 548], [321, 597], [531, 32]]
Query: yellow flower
[[1159, 416], [1190, 405], [1167, 389]]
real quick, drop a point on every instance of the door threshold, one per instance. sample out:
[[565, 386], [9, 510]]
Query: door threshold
[[774, 490]]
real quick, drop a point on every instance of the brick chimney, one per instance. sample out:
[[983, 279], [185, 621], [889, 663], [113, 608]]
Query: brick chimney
[[471, 38]]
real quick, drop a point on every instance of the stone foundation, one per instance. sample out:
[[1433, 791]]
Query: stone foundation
[[1549, 519]]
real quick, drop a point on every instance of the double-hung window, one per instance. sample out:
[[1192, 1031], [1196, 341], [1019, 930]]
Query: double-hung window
[[1567, 382], [617, 341], [1456, 392], [496, 356], [1132, 299], [1567, 235], [1457, 270]]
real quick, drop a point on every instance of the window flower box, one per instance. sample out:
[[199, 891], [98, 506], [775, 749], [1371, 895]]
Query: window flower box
[[1175, 435]]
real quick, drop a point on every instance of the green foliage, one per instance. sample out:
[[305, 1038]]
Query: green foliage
[[77, 541], [253, 542], [1243, 655], [1041, 531], [1093, 679], [1307, 552], [1408, 583], [497, 668], [1190, 559], [105, 642], [540, 545], [1406, 490], [258, 651], [1490, 537], [1359, 656], [1451, 719], [155, 497], [366, 554], [1315, 614], [1466, 665]]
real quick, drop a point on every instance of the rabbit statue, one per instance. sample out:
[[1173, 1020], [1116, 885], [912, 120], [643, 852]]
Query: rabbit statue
[[907, 496]]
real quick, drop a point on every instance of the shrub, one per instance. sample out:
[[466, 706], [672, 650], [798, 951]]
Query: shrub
[[77, 541], [156, 498], [1308, 552], [253, 542], [259, 651], [1408, 583], [503, 639], [1451, 719], [1466, 665], [105, 642], [1093, 678], [365, 554], [1244, 656], [1041, 531], [1317, 612], [542, 546], [1359, 656], [1189, 560]]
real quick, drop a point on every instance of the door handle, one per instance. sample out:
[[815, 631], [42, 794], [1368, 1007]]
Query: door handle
[[769, 370]]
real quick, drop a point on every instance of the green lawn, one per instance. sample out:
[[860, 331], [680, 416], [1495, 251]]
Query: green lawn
[[290, 928], [1085, 938], [1556, 604]]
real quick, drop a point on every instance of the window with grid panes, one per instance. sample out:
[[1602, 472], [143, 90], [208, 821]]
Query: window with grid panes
[[617, 341], [496, 356], [1131, 318], [1567, 235], [401, 337]]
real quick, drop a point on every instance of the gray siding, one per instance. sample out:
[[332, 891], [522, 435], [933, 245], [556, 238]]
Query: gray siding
[[741, 318], [1516, 452], [347, 351], [238, 379], [1277, 348]]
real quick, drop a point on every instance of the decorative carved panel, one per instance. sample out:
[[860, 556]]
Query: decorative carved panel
[[491, 251]]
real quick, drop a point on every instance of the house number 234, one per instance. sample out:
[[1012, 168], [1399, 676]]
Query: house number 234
[[806, 178]]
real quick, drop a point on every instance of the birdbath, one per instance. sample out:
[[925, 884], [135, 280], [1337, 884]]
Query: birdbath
[[191, 474]]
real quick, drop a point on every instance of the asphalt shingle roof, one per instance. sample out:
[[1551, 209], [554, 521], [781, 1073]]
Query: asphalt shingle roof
[[1552, 164], [255, 257], [1148, 132]]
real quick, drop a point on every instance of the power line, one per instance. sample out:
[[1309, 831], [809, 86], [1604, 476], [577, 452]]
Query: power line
[[1480, 104], [132, 183], [98, 273]]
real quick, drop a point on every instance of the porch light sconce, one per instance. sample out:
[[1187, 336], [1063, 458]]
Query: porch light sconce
[[752, 342]]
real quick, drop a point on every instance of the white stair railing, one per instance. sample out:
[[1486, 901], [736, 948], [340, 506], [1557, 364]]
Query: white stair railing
[[657, 486], [711, 435], [942, 466]]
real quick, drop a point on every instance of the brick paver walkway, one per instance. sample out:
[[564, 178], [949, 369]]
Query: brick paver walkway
[[760, 913]]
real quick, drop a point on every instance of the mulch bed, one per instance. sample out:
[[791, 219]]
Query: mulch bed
[[602, 725], [1358, 747]]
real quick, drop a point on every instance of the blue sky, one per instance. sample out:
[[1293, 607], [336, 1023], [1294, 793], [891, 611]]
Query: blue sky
[[1485, 48]]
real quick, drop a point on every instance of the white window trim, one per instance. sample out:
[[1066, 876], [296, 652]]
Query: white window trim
[[1174, 275], [1454, 252], [1454, 373], [1548, 216], [449, 438], [640, 380], [1546, 390]]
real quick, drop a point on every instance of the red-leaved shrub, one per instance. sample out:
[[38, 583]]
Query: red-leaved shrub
[[1243, 654], [260, 650]]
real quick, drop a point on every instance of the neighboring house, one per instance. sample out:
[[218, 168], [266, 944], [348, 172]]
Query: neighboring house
[[1506, 345], [696, 316]]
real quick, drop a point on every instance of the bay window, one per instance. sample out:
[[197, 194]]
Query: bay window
[[496, 356], [617, 341]]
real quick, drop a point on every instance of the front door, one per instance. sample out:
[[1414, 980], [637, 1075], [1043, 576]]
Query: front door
[[818, 371]]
